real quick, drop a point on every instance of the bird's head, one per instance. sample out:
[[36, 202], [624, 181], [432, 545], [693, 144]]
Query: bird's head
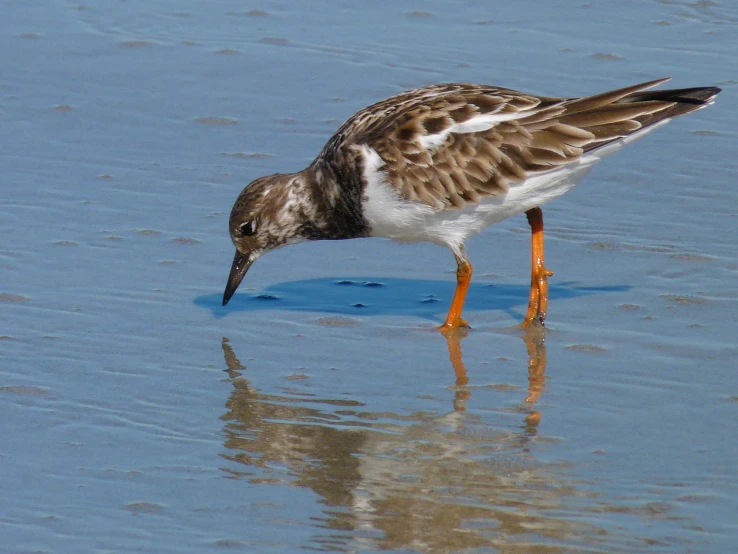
[[267, 214]]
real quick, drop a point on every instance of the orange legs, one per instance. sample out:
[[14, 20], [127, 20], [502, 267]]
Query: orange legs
[[463, 278], [538, 301]]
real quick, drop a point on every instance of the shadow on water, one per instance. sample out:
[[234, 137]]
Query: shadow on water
[[370, 296], [423, 481]]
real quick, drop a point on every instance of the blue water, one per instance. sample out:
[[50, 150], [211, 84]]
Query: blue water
[[318, 410]]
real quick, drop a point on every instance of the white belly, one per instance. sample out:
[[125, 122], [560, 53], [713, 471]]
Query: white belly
[[401, 220]]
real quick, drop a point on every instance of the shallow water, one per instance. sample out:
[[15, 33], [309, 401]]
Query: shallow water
[[318, 411]]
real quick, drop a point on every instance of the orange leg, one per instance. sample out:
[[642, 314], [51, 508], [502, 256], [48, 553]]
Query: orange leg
[[538, 301], [463, 278]]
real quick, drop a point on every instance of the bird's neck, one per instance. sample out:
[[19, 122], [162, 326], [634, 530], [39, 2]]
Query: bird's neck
[[336, 200]]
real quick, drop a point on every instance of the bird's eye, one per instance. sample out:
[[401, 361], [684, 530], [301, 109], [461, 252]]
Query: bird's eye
[[248, 228]]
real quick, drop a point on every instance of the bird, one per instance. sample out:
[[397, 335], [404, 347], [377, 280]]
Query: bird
[[440, 163]]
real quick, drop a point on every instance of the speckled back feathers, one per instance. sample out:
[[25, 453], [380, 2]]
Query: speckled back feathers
[[426, 160]]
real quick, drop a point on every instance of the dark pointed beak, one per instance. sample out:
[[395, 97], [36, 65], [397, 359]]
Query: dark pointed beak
[[241, 264]]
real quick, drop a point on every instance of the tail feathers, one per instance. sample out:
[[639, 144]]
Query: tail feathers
[[685, 100], [622, 115], [696, 95]]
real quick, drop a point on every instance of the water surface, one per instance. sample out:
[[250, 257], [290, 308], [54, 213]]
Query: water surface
[[319, 410]]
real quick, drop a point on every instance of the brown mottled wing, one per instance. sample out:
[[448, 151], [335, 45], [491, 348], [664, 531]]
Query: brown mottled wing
[[535, 134]]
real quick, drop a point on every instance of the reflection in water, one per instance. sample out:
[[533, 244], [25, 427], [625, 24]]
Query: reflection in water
[[535, 343], [423, 482]]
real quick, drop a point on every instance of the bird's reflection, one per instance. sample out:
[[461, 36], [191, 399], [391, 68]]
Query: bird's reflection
[[432, 483]]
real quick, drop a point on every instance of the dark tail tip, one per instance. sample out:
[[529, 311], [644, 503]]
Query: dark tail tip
[[698, 95]]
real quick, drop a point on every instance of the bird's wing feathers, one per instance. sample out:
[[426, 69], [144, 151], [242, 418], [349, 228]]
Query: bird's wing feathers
[[450, 145]]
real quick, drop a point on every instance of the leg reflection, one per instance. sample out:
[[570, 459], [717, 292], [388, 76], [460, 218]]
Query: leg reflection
[[534, 339], [535, 343], [453, 341]]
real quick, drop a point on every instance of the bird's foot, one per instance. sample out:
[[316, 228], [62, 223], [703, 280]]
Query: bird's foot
[[538, 299], [452, 325]]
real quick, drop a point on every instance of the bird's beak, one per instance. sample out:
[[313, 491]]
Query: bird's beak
[[241, 264]]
